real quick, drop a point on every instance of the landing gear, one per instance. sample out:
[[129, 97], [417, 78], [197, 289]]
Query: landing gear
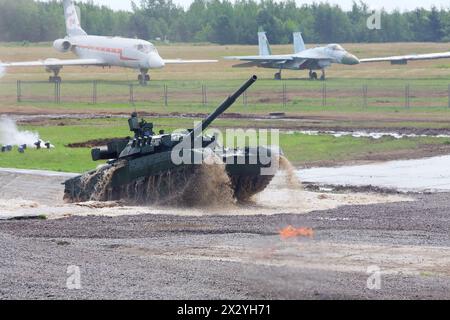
[[323, 77], [144, 77], [312, 75], [55, 78], [277, 75]]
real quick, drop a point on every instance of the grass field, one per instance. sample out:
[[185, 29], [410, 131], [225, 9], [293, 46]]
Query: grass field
[[300, 149], [344, 106], [223, 70], [428, 83]]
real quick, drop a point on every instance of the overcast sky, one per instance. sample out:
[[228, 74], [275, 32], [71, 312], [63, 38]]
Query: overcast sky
[[346, 4]]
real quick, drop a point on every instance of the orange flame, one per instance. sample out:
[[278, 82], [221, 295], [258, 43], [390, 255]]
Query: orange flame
[[291, 232]]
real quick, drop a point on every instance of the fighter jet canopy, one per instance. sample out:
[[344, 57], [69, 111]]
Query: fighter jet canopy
[[335, 47]]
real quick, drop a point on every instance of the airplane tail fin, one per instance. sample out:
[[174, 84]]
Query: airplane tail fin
[[299, 44], [264, 47], [73, 26]]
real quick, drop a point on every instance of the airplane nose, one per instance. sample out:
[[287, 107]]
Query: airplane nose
[[156, 62], [350, 59]]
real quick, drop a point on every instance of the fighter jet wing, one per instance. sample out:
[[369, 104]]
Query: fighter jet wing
[[180, 61], [268, 58], [309, 55], [55, 63], [406, 58]]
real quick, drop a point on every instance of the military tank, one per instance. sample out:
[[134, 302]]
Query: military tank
[[163, 168]]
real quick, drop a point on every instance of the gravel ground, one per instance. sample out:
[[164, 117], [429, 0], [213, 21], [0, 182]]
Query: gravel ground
[[234, 257]]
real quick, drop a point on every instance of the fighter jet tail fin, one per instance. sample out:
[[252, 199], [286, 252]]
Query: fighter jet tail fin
[[299, 44], [264, 46], [72, 19]]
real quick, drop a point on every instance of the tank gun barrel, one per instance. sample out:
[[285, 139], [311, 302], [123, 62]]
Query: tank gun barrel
[[223, 107]]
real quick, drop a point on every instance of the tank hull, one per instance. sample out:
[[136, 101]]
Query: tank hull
[[156, 179]]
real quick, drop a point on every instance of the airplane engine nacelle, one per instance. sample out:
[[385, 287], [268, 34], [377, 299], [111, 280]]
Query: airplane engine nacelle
[[324, 64], [62, 45]]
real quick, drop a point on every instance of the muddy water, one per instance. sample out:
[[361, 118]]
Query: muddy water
[[18, 199], [430, 174]]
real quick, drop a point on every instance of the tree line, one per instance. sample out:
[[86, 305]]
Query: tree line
[[224, 22]]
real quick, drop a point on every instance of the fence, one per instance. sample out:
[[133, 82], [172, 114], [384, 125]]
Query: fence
[[285, 94]]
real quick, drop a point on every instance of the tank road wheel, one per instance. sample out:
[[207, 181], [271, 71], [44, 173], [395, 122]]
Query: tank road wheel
[[277, 76], [245, 187]]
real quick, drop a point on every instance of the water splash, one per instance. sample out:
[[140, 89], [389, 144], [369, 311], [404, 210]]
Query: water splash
[[292, 180], [11, 135]]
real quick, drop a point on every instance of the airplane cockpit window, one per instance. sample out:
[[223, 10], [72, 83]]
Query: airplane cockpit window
[[335, 47], [146, 48]]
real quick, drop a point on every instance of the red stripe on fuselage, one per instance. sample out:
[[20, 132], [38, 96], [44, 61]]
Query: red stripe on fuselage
[[111, 50]]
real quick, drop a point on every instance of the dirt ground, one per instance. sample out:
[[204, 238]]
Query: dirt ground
[[227, 253]]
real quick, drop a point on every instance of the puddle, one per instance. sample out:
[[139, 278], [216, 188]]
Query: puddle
[[367, 134], [422, 175]]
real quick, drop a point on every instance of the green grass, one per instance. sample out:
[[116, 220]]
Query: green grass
[[307, 150], [300, 149], [303, 96]]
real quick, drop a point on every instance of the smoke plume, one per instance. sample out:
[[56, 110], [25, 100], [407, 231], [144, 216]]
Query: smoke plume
[[11, 135]]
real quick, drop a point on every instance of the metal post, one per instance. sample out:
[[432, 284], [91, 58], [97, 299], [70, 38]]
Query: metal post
[[324, 94], [204, 95], [94, 92], [166, 92], [365, 90], [284, 95], [407, 96], [57, 92], [132, 94], [19, 91], [449, 96]]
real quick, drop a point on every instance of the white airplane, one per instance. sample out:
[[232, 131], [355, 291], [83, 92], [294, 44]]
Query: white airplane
[[318, 58], [101, 51]]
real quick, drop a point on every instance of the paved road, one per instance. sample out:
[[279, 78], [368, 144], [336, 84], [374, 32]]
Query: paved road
[[234, 257]]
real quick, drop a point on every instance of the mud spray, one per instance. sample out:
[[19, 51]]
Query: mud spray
[[206, 185], [292, 180], [10, 134]]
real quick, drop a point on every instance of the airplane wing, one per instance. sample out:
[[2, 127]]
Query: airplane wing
[[309, 55], [282, 58], [55, 63], [406, 58], [271, 58], [180, 61]]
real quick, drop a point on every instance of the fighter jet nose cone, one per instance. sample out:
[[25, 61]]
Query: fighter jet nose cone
[[350, 59]]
